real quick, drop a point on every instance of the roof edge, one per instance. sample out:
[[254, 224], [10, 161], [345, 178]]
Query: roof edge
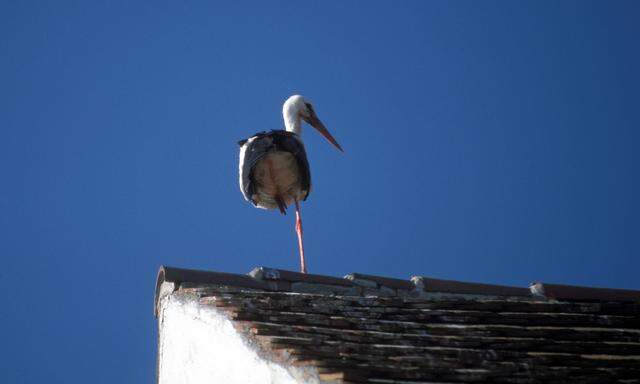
[[169, 279], [380, 281], [266, 273], [564, 292], [432, 285]]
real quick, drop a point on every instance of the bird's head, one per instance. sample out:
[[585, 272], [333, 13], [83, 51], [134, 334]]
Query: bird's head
[[296, 108]]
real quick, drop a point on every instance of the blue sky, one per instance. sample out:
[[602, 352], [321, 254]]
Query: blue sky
[[484, 141]]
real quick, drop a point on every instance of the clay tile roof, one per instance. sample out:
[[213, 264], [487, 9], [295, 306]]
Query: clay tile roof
[[371, 329]]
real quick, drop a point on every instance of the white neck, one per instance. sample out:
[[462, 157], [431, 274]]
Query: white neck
[[291, 114], [292, 122]]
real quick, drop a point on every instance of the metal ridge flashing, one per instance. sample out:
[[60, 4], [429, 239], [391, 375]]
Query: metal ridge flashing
[[381, 281], [563, 292], [429, 284], [182, 275], [170, 278], [266, 273]]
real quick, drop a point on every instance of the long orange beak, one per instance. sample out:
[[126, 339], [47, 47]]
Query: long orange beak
[[317, 124]]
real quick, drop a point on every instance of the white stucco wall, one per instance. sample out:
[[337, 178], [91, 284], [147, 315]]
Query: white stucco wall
[[200, 345]]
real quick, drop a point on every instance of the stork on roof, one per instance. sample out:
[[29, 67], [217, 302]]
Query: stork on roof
[[274, 170]]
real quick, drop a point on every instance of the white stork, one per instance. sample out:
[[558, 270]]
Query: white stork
[[274, 171]]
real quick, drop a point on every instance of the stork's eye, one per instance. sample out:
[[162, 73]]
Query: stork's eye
[[309, 108]]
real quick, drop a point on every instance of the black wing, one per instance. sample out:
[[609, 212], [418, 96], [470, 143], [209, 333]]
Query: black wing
[[251, 151]]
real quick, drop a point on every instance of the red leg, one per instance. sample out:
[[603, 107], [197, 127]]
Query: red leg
[[303, 267]]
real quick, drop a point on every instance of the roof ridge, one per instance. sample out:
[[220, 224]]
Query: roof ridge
[[170, 279]]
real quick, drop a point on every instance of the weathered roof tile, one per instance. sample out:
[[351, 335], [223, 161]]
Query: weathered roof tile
[[353, 331]]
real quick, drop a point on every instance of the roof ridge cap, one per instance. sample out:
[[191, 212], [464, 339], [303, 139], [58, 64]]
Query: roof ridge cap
[[170, 279]]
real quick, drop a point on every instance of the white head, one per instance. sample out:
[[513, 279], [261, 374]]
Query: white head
[[295, 109]]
